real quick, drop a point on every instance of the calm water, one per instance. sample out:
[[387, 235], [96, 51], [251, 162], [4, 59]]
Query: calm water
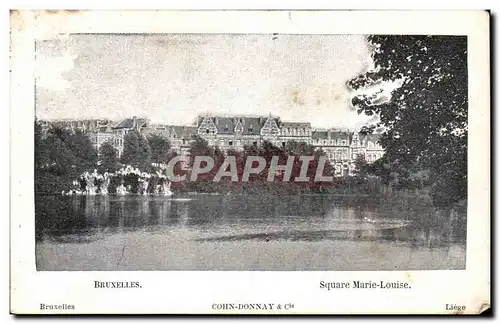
[[210, 232]]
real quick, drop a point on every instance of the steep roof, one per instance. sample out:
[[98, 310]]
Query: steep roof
[[225, 125], [252, 123], [129, 123], [104, 129], [295, 125], [184, 131]]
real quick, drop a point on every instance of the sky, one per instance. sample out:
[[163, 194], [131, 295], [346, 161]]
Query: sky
[[173, 78]]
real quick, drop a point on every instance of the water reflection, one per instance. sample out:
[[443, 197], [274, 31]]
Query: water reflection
[[236, 218]]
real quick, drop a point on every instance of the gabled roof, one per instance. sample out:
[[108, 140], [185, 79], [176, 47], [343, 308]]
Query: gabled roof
[[238, 127], [207, 122], [104, 129], [270, 125], [129, 123]]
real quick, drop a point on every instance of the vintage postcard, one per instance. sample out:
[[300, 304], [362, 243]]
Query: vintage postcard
[[250, 162]]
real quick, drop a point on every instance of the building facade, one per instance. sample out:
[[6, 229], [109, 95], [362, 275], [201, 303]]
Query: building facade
[[341, 147]]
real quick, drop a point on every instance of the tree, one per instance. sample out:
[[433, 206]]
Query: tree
[[130, 148], [361, 166], [424, 120], [60, 157], [160, 148], [144, 156], [79, 143], [108, 157], [136, 151]]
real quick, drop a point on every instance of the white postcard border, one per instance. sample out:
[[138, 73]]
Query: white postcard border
[[196, 291]]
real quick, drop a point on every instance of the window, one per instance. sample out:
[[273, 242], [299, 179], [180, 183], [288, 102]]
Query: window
[[325, 142], [183, 141], [250, 130], [283, 144], [207, 131], [344, 142], [226, 128], [255, 143], [238, 143], [230, 143]]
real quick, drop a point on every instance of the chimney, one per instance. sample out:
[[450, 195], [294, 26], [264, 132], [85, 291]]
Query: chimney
[[134, 122]]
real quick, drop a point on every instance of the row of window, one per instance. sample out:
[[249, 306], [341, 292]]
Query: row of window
[[295, 131], [289, 132], [337, 156], [237, 143], [330, 142]]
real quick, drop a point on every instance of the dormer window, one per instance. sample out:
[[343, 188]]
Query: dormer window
[[226, 128], [250, 130], [208, 131]]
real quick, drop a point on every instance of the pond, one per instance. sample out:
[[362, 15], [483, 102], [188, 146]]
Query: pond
[[233, 232]]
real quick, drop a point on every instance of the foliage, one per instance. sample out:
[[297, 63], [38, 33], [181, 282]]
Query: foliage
[[108, 157], [361, 166], [425, 118], [60, 156], [258, 182], [160, 148], [136, 151]]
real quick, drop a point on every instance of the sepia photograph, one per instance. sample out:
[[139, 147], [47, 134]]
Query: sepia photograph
[[190, 153], [293, 152]]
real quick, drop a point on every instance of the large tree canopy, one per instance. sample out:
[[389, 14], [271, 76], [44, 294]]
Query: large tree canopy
[[425, 118], [60, 157], [160, 148], [136, 151], [108, 157]]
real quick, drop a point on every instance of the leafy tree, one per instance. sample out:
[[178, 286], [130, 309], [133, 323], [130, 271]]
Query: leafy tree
[[299, 148], [144, 157], [108, 157], [160, 148], [425, 119], [199, 147], [60, 157], [136, 151], [130, 153], [361, 166]]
